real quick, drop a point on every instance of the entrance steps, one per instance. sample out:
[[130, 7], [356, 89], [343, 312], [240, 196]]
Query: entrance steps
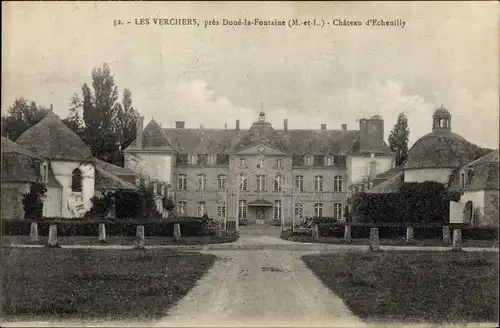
[[260, 230]]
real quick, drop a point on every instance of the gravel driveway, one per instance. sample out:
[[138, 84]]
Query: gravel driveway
[[260, 288]]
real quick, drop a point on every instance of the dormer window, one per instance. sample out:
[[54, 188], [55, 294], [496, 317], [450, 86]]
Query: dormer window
[[193, 159], [328, 161], [211, 160], [309, 160]]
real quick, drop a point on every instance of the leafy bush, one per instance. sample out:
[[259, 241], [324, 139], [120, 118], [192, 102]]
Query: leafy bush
[[33, 201], [414, 203], [128, 204]]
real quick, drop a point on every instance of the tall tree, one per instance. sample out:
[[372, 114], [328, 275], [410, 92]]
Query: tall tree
[[74, 120], [124, 123], [21, 115], [105, 125], [398, 139]]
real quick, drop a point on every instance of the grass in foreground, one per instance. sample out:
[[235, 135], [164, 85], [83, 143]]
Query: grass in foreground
[[121, 240], [96, 284], [416, 287], [395, 242]]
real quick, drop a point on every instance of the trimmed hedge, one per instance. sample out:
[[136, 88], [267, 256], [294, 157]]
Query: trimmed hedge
[[362, 231], [415, 203], [122, 227]]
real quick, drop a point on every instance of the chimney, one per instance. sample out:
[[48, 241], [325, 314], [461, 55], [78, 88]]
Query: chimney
[[179, 124], [323, 127], [51, 108], [139, 129], [371, 132], [237, 125], [285, 124], [344, 127], [225, 126]]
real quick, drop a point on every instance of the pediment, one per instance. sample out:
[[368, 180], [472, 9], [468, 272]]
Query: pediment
[[261, 148]]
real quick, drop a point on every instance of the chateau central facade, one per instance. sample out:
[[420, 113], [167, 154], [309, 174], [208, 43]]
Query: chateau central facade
[[260, 174]]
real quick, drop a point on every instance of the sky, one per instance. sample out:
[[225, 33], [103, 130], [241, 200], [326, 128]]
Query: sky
[[446, 54]]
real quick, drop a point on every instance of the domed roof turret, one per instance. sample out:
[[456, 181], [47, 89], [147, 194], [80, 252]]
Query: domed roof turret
[[52, 139], [441, 111], [441, 148]]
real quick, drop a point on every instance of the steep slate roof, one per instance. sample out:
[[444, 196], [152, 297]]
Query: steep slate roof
[[22, 165], [9, 146], [108, 181], [52, 139], [371, 146], [20, 168], [440, 149], [215, 141], [291, 142], [491, 158], [52, 178], [389, 186], [111, 168], [390, 173], [485, 177], [483, 174], [154, 137]]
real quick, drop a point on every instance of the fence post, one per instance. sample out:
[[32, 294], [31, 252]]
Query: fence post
[[315, 232], [140, 236], [446, 235], [347, 233], [457, 240], [409, 234], [177, 231], [374, 240], [102, 233], [34, 233], [52, 242]]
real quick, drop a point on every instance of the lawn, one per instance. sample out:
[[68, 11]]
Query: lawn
[[121, 240], [413, 287], [96, 284], [395, 242]]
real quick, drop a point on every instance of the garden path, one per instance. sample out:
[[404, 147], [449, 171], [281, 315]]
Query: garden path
[[260, 288]]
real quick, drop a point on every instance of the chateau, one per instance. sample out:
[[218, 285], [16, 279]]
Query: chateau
[[260, 175], [263, 173]]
